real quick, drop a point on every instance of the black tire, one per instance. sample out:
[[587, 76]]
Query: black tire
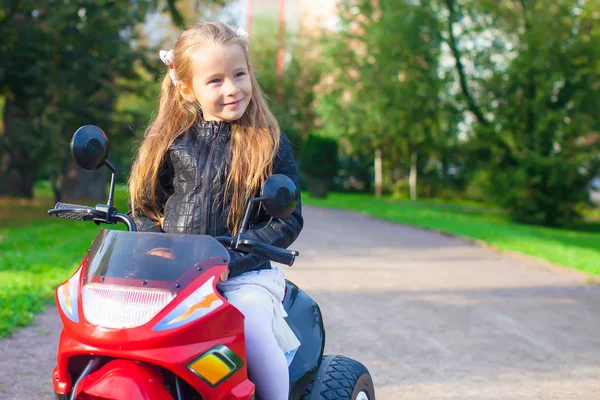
[[340, 378]]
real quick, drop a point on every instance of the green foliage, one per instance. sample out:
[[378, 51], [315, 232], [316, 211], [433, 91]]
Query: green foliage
[[263, 52], [535, 98], [294, 108], [541, 190], [473, 88], [384, 87], [319, 163], [320, 157], [354, 174], [65, 63]]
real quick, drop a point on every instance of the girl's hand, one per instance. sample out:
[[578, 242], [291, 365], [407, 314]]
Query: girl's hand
[[162, 252], [225, 274]]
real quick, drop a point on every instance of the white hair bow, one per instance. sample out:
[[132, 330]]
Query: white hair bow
[[245, 35], [167, 58]]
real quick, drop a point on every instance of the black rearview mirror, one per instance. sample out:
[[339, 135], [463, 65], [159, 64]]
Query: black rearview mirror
[[89, 147], [280, 196]]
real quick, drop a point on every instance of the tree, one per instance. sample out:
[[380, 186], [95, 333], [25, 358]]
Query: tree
[[295, 113], [533, 90], [64, 63], [383, 92], [320, 164]]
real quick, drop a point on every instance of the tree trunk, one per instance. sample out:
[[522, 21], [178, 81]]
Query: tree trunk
[[18, 169], [81, 185], [55, 184], [25, 184], [8, 178], [378, 173], [412, 181]]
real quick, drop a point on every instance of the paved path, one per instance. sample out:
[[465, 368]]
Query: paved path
[[432, 317]]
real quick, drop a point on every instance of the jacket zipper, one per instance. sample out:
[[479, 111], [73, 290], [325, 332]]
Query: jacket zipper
[[206, 189]]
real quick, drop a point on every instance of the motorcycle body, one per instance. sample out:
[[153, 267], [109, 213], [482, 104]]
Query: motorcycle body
[[156, 326], [139, 326]]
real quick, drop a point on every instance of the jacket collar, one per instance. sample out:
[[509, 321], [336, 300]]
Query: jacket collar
[[209, 124], [208, 129]]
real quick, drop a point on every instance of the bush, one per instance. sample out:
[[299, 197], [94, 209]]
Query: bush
[[354, 175], [319, 163], [540, 190]]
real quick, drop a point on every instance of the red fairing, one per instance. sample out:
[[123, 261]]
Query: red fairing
[[197, 322], [124, 379], [170, 349]]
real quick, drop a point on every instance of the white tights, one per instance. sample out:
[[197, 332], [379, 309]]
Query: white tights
[[267, 365]]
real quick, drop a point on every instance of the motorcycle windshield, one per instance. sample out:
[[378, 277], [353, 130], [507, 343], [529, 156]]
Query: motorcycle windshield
[[150, 260]]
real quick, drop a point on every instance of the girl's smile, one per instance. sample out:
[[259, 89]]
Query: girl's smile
[[234, 103]]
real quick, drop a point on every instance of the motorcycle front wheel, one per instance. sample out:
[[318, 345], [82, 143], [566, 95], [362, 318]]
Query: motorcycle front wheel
[[340, 378]]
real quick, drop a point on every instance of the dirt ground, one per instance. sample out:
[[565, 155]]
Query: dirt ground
[[432, 317]]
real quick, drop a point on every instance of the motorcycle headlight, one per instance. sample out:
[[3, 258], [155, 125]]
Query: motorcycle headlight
[[122, 307]]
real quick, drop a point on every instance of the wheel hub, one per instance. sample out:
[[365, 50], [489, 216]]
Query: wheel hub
[[362, 396]]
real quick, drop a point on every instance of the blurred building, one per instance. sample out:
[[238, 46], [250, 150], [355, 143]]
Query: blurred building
[[299, 15]]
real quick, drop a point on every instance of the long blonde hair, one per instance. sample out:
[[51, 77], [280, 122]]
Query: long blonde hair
[[257, 130]]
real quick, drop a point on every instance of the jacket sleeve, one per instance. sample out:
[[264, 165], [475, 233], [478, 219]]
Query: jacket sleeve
[[280, 232], [164, 189]]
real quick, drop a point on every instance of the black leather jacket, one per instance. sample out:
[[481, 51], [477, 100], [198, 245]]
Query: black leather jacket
[[190, 193]]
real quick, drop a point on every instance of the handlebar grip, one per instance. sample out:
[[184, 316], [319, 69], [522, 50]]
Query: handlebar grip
[[281, 257], [67, 205], [78, 216]]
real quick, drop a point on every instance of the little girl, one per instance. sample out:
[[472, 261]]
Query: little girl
[[207, 152]]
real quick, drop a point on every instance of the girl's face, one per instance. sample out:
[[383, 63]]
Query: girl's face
[[221, 82]]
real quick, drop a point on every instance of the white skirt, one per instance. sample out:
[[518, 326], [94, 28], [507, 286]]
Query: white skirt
[[265, 287]]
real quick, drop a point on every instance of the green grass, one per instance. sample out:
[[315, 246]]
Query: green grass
[[579, 249], [38, 252]]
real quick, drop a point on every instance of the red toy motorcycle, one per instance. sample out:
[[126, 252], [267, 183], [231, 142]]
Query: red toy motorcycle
[[139, 326]]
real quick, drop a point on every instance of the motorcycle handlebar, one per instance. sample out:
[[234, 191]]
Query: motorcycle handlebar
[[280, 255], [73, 211], [85, 213], [272, 253], [60, 205], [124, 218]]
